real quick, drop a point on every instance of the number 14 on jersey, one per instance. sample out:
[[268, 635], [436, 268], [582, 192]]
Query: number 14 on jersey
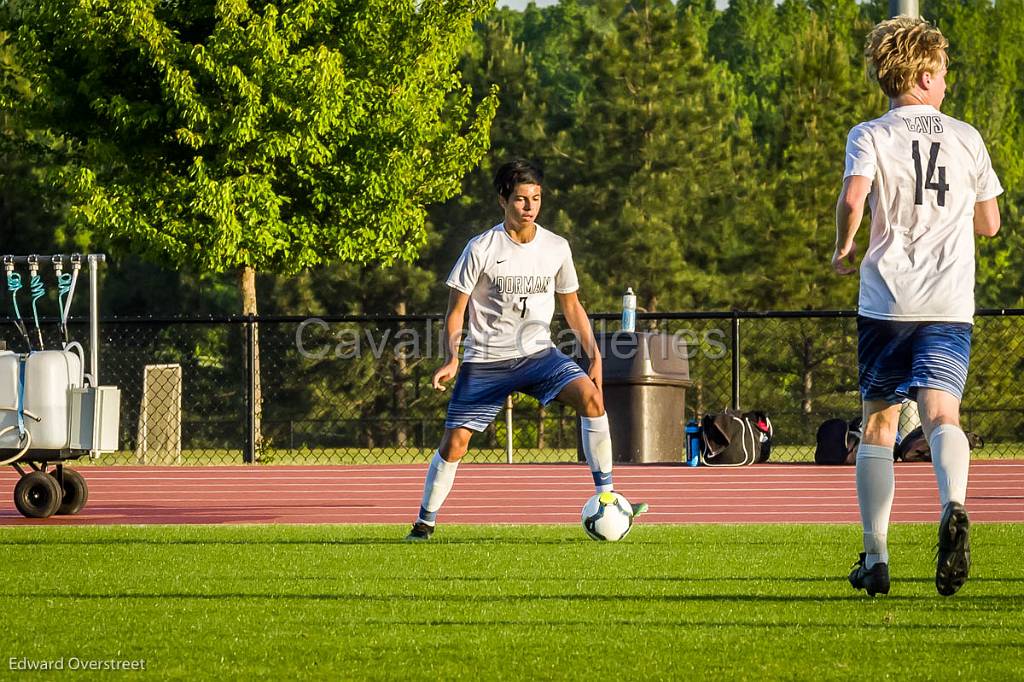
[[926, 179]]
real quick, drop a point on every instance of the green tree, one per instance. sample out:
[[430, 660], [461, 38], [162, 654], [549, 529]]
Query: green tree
[[26, 224], [821, 94], [986, 90], [238, 136], [630, 118], [254, 136], [806, 88]]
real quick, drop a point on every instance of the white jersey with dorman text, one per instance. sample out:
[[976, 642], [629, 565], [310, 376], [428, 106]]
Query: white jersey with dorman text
[[511, 289], [928, 170]]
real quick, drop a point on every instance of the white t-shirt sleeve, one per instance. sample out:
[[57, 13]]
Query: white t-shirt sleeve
[[566, 281], [467, 270], [860, 153], [988, 182]]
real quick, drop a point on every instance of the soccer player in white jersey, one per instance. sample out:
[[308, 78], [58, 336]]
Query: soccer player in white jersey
[[930, 185], [506, 281]]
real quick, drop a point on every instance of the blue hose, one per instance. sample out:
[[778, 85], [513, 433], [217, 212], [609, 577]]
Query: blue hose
[[38, 291], [14, 285], [63, 287]]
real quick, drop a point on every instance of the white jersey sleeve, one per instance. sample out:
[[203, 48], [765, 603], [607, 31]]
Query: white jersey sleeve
[[566, 281], [860, 153], [467, 269], [988, 182]]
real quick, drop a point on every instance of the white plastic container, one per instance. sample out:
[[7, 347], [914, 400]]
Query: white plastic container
[[49, 376], [9, 398], [629, 311]]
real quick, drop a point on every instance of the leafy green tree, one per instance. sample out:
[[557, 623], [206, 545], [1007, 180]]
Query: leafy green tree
[[254, 136], [986, 90], [26, 224], [755, 38], [630, 118], [250, 136], [822, 93]]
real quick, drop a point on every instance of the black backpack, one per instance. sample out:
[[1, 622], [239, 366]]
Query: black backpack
[[837, 441], [734, 438]]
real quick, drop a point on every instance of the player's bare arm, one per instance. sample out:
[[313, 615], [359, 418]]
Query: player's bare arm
[[453, 320], [579, 322], [849, 212], [986, 218]]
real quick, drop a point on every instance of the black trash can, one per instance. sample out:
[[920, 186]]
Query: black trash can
[[645, 380]]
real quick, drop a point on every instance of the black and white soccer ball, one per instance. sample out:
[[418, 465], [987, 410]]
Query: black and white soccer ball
[[607, 516]]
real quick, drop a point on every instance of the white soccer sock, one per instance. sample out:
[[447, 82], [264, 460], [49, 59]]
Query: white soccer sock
[[439, 481], [597, 448], [951, 458], [876, 485]]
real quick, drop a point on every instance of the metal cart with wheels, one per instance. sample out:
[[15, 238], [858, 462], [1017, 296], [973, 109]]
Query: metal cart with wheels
[[51, 410]]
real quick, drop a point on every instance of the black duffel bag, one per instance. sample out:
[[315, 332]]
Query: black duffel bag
[[733, 438]]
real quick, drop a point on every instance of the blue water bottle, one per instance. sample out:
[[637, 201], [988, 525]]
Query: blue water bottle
[[692, 444]]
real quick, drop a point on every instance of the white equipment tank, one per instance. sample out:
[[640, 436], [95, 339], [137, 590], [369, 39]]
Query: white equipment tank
[[8, 399], [49, 377]]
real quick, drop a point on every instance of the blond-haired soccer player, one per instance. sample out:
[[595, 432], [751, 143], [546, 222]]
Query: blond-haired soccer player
[[930, 185]]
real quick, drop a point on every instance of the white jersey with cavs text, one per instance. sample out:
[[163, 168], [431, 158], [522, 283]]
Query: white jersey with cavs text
[[928, 170], [511, 288]]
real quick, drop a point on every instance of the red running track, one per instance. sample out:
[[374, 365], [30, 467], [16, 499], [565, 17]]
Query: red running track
[[498, 493]]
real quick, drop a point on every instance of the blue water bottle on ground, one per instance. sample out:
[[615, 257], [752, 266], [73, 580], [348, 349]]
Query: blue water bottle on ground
[[692, 443]]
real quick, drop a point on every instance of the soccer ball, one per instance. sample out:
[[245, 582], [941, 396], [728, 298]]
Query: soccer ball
[[607, 516]]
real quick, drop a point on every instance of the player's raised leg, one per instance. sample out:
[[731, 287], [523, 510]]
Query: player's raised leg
[[584, 396], [876, 487]]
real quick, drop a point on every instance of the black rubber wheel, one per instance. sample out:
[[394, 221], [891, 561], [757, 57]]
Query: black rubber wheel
[[37, 495], [76, 492]]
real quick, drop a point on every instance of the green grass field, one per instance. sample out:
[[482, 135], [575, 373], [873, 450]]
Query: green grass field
[[490, 602]]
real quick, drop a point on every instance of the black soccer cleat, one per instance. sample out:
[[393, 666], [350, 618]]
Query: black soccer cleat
[[420, 532], [874, 580], [639, 508], [954, 552]]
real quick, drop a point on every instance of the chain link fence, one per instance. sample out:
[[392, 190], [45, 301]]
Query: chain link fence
[[356, 390]]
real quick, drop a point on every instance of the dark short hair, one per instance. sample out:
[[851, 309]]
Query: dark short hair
[[517, 172]]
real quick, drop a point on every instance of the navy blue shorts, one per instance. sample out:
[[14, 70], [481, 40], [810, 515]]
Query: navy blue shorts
[[481, 387], [897, 358]]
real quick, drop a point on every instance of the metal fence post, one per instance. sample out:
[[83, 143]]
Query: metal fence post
[[94, 317], [735, 360], [907, 8], [249, 454], [508, 430]]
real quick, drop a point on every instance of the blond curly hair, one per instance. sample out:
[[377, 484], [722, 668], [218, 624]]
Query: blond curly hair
[[899, 50]]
